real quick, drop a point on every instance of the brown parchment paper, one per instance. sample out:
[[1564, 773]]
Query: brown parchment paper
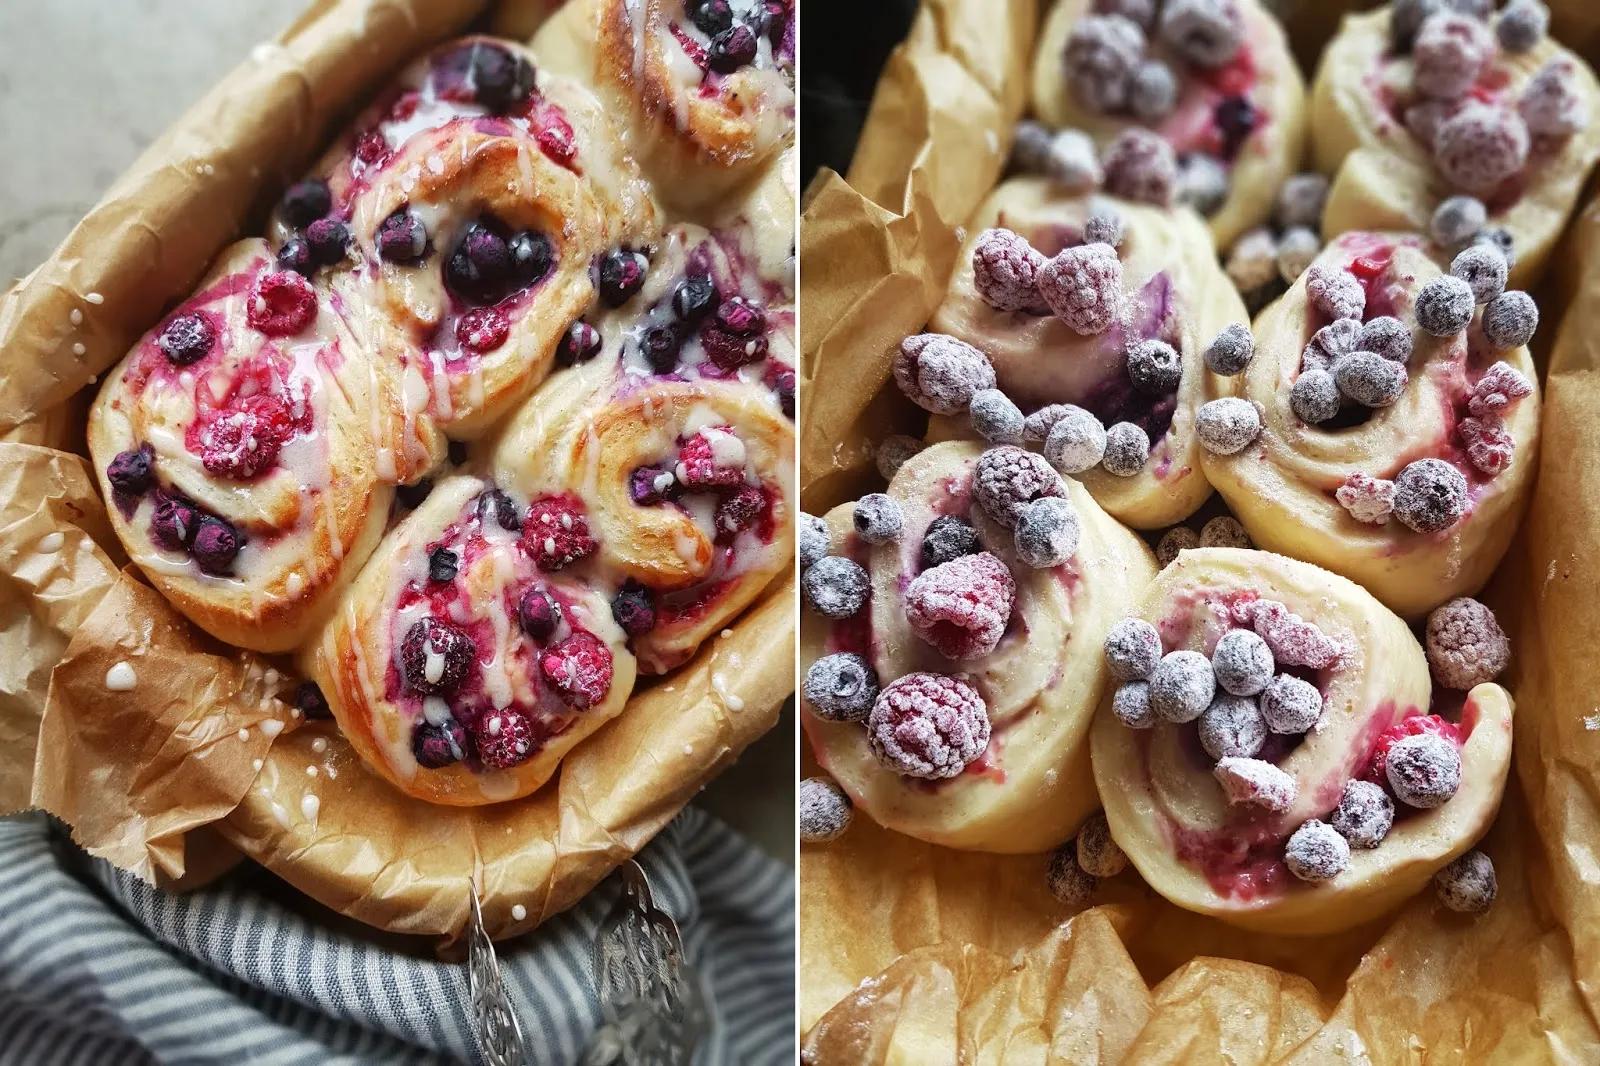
[[202, 760], [911, 953]]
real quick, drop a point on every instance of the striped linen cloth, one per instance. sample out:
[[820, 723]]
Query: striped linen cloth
[[99, 969]]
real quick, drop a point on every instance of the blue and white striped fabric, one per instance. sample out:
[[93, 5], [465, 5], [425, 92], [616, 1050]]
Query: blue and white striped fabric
[[98, 968]]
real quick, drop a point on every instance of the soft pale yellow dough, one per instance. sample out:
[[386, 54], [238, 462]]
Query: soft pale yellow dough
[[1273, 151], [1032, 788], [1282, 486], [1383, 178], [1040, 360], [1157, 791]]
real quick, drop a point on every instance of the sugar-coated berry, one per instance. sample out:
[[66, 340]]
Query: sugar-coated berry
[[1291, 705], [1449, 53], [1127, 449], [1231, 350], [1478, 9], [1488, 443], [1154, 367], [1242, 662], [995, 418], [892, 453], [216, 545], [1037, 426], [1445, 305], [1484, 270], [1430, 495], [1368, 499], [841, 687], [1369, 379], [1173, 541], [1202, 183], [1072, 163], [1255, 783], [1500, 386], [1466, 645], [1069, 883], [1385, 336], [1206, 33], [1132, 649], [1364, 815], [1423, 770], [1006, 478], [1406, 18], [1140, 165], [1228, 425], [1131, 705], [1522, 25], [1098, 854], [1480, 146], [1335, 292], [1316, 852], [940, 373], [1152, 91], [835, 587], [815, 541], [962, 607], [1030, 143], [1083, 287], [1468, 885], [1551, 105], [1232, 726], [1104, 226], [1182, 686], [948, 537], [1456, 219], [1327, 344], [1252, 262], [1224, 531], [1293, 640], [1298, 248], [929, 726], [1510, 319], [878, 519], [1076, 441], [1099, 57], [824, 810], [1501, 238], [1300, 201], [1005, 269], [1046, 533], [1314, 398]]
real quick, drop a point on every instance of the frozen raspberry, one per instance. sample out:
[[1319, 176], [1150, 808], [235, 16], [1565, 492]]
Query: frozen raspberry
[[1231, 350], [893, 452], [1131, 705], [824, 810], [1423, 770], [1367, 498], [1152, 91], [327, 239], [928, 726], [1047, 532], [1314, 397], [729, 351], [1293, 640], [962, 607], [1290, 705], [1489, 445], [1335, 292], [995, 418], [282, 304], [714, 458], [1242, 663], [1154, 367], [1328, 344], [1468, 885], [1104, 226], [1385, 336], [1550, 104], [1449, 54], [634, 609], [620, 276], [1444, 306], [1316, 852], [1206, 33], [1406, 18], [940, 374], [245, 440], [1127, 449], [1256, 783], [1175, 540], [1099, 57], [435, 656], [1098, 854], [555, 532], [1484, 270], [1369, 379], [1456, 219], [579, 669], [1076, 441], [841, 687], [1068, 882], [1364, 814], [948, 537], [835, 587], [1229, 425], [1004, 271], [1510, 319], [1007, 478], [1132, 649], [1182, 686], [402, 238], [132, 472], [482, 329], [1224, 532], [1522, 25], [1298, 248], [579, 344], [438, 746], [1300, 201], [1232, 727], [215, 546], [1501, 386], [173, 523], [187, 338], [539, 614], [878, 518], [1466, 646], [1480, 146], [505, 739], [1252, 263], [1083, 286], [1140, 165], [1430, 495], [737, 512], [1071, 162]]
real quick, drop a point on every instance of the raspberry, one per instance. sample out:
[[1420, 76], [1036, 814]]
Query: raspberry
[[402, 238], [555, 532], [505, 739], [878, 519], [1367, 498], [1132, 649], [962, 607], [1127, 449], [1293, 640], [1300, 201], [371, 148], [1076, 441], [841, 687], [1242, 663], [1152, 91], [1316, 852], [173, 523], [1037, 426], [1510, 320], [1449, 54], [1501, 386], [1140, 166], [1456, 219], [1224, 532], [1364, 815], [1154, 367], [243, 441], [1004, 269], [1068, 882], [1047, 533], [187, 338], [1480, 146], [1522, 25], [1256, 783], [1468, 885], [1335, 292], [133, 472], [435, 656], [216, 545], [1098, 59], [1369, 379], [824, 811], [1423, 770], [539, 614], [634, 609], [1550, 103], [940, 373], [1229, 425], [1430, 495], [714, 458], [1386, 336], [995, 418], [579, 344], [738, 512], [1098, 854], [556, 138], [1232, 727], [815, 542], [482, 329], [579, 669], [1231, 350], [282, 304], [1466, 646], [1484, 270], [1206, 33], [1298, 248], [835, 587], [1131, 705], [1291, 705], [948, 537], [1173, 541], [1444, 306], [1338, 338], [1488, 444], [1103, 226], [728, 351], [438, 746], [1007, 478], [1083, 286], [928, 726], [1182, 686]]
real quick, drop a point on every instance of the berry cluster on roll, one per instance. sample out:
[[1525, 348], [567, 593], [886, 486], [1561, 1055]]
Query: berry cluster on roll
[[1267, 259]]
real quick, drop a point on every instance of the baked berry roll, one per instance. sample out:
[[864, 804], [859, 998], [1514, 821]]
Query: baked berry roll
[[951, 634], [1080, 327], [236, 447], [1275, 754], [461, 665], [1454, 126], [1395, 419], [1213, 79]]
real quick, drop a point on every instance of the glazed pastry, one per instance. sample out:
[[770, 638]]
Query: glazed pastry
[[1276, 755], [1399, 420], [951, 638], [460, 666], [1213, 78], [235, 445], [1130, 361], [1406, 117]]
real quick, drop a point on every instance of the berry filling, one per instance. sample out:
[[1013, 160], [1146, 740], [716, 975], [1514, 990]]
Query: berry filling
[[490, 262]]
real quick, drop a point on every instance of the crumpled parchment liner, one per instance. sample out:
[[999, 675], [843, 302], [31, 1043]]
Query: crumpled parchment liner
[[201, 760], [899, 939]]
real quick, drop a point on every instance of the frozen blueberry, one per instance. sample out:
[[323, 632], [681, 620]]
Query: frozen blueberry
[[824, 811], [132, 471], [442, 565], [402, 238], [1300, 201], [1298, 248], [187, 338], [1232, 727], [1132, 649], [1152, 91], [621, 276], [1068, 882], [500, 80], [1523, 24], [814, 540], [216, 545], [539, 614], [173, 523], [1131, 705], [1206, 33], [1127, 449], [1369, 379], [1182, 686], [1430, 495], [1231, 350], [1224, 531], [1098, 854], [1154, 367], [1510, 319], [995, 418], [1236, 118], [1076, 441], [694, 297], [1364, 814], [835, 587], [1385, 336], [1501, 238], [1316, 852], [1456, 219], [1046, 533], [306, 201], [1445, 306], [1229, 425], [1314, 397], [1468, 885], [634, 609], [1242, 663], [1202, 183], [1423, 770], [532, 256], [841, 687], [480, 265], [948, 537], [711, 17], [1291, 705], [1173, 541], [878, 518], [1406, 18], [1484, 270]]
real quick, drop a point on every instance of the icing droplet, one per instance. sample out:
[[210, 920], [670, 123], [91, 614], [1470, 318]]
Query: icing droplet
[[309, 805], [244, 734], [121, 678], [271, 727], [256, 764], [319, 745], [94, 298], [519, 912], [51, 542]]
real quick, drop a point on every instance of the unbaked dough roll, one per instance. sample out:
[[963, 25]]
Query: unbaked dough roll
[[1030, 787], [1366, 136], [1247, 115], [1347, 494], [1249, 862], [1173, 290]]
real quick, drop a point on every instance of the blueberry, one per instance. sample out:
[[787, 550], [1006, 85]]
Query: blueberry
[[1236, 117], [650, 485], [480, 265], [437, 746], [328, 239], [296, 255], [306, 201], [402, 238], [187, 338], [411, 496], [621, 276], [498, 504], [660, 345], [500, 80], [442, 565], [173, 523], [783, 385], [311, 702], [579, 344], [216, 545], [133, 472], [532, 256], [694, 296], [711, 17], [732, 49], [539, 614], [633, 610]]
